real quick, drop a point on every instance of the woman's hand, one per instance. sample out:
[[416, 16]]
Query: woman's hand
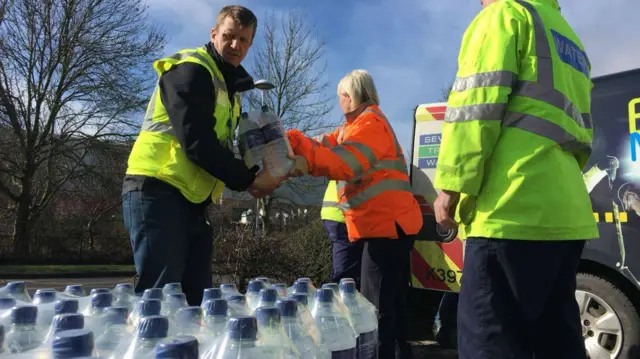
[[300, 166]]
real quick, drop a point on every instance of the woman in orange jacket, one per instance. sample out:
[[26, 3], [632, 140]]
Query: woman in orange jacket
[[374, 192]]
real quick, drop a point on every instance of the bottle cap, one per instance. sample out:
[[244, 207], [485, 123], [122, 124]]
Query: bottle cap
[[228, 287], [101, 300], [7, 303], [212, 293], [149, 307], [24, 315], [152, 293], [99, 290], [116, 315], [242, 327], [153, 327], [324, 295], [176, 300], [188, 315], [72, 343], [268, 295], [304, 279], [301, 298], [171, 288], [349, 287], [182, 347], [255, 286], [288, 307], [43, 296], [237, 299], [66, 306], [216, 307], [301, 287], [124, 288], [67, 322], [74, 289], [267, 316]]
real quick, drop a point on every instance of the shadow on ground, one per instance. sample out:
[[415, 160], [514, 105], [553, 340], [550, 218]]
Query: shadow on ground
[[423, 306]]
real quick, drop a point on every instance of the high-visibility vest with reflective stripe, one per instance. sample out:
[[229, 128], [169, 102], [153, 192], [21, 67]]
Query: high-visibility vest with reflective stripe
[[157, 152], [330, 210], [518, 129]]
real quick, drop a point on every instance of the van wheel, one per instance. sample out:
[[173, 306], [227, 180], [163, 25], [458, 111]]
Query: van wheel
[[610, 322]]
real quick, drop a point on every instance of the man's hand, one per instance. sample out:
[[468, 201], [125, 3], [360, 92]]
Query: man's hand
[[265, 183], [300, 166], [445, 208]]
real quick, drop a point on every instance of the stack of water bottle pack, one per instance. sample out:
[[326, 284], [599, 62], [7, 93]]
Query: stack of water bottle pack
[[263, 141], [269, 321]]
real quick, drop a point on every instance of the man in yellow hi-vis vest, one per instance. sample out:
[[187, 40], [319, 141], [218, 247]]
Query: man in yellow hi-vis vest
[[183, 157], [346, 256], [516, 137]]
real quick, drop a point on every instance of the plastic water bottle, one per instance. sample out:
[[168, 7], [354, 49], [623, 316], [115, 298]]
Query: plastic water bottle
[[272, 337], [124, 296], [99, 290], [361, 299], [171, 288], [337, 300], [303, 287], [150, 331], [215, 316], [75, 290], [181, 347], [6, 304], [306, 319], [336, 331], [293, 328], [153, 293], [124, 288], [277, 148], [189, 321], [281, 288], [62, 322], [174, 302], [93, 316], [144, 308], [209, 294], [228, 289], [16, 290], [23, 335], [115, 331], [238, 305], [365, 322], [266, 281], [239, 341], [253, 290], [267, 297], [74, 343], [66, 306], [44, 296], [251, 141]]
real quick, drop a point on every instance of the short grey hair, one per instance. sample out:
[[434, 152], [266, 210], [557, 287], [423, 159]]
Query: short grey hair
[[358, 84]]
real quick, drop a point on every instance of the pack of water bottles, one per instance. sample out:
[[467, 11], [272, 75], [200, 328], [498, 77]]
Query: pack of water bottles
[[263, 140], [268, 321]]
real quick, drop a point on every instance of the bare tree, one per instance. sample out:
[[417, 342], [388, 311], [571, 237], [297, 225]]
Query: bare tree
[[72, 72], [291, 57], [445, 92]]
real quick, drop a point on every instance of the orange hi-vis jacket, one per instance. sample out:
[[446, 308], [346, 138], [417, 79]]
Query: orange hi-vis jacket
[[366, 159]]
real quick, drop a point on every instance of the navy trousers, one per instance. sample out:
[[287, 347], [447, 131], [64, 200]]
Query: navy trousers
[[346, 256], [517, 300], [171, 238]]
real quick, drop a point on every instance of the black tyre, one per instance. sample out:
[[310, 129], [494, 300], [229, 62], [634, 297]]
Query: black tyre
[[611, 323]]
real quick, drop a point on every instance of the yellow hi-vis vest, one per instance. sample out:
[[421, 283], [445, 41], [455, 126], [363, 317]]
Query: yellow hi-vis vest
[[157, 152], [330, 210]]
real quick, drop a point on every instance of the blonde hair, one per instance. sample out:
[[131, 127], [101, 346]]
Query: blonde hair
[[358, 84]]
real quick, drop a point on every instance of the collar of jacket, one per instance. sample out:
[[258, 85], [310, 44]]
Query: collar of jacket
[[350, 116], [553, 3], [237, 79]]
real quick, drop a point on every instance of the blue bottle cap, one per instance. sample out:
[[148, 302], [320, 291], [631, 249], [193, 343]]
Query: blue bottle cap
[[67, 322], [152, 293], [177, 298], [180, 347], [72, 343], [170, 288], [301, 298], [16, 287], [74, 289], [267, 316], [324, 295], [304, 279], [66, 306], [301, 287], [124, 287], [242, 327], [216, 307], [288, 307], [153, 327], [349, 287], [347, 280], [237, 299], [99, 290], [268, 295], [186, 315], [228, 286], [211, 293], [101, 300], [116, 315], [43, 296], [332, 286], [149, 307], [255, 286], [24, 315], [7, 303]]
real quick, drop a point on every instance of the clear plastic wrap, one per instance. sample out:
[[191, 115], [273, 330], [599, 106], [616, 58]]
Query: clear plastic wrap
[[173, 303], [149, 332], [238, 305], [281, 288], [144, 308], [171, 288], [228, 289], [16, 290], [336, 330], [179, 347], [307, 346], [115, 331], [253, 291], [271, 335], [74, 343], [364, 319], [210, 294], [267, 297], [23, 334], [239, 341], [215, 316], [62, 322]]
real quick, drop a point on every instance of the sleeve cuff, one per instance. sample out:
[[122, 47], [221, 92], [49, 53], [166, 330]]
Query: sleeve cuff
[[447, 182]]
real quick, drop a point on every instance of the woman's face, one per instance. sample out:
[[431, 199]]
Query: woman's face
[[345, 102]]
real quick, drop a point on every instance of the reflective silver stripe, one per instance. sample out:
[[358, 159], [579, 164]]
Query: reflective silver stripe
[[481, 112], [366, 151], [374, 190], [160, 127], [348, 158], [553, 97], [546, 129], [484, 79], [329, 203]]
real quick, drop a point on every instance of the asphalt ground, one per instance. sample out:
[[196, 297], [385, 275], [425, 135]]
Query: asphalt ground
[[422, 310]]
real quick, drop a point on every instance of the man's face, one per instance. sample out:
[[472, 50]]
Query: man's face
[[232, 41]]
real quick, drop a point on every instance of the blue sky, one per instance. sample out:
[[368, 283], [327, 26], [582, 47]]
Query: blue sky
[[409, 46]]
